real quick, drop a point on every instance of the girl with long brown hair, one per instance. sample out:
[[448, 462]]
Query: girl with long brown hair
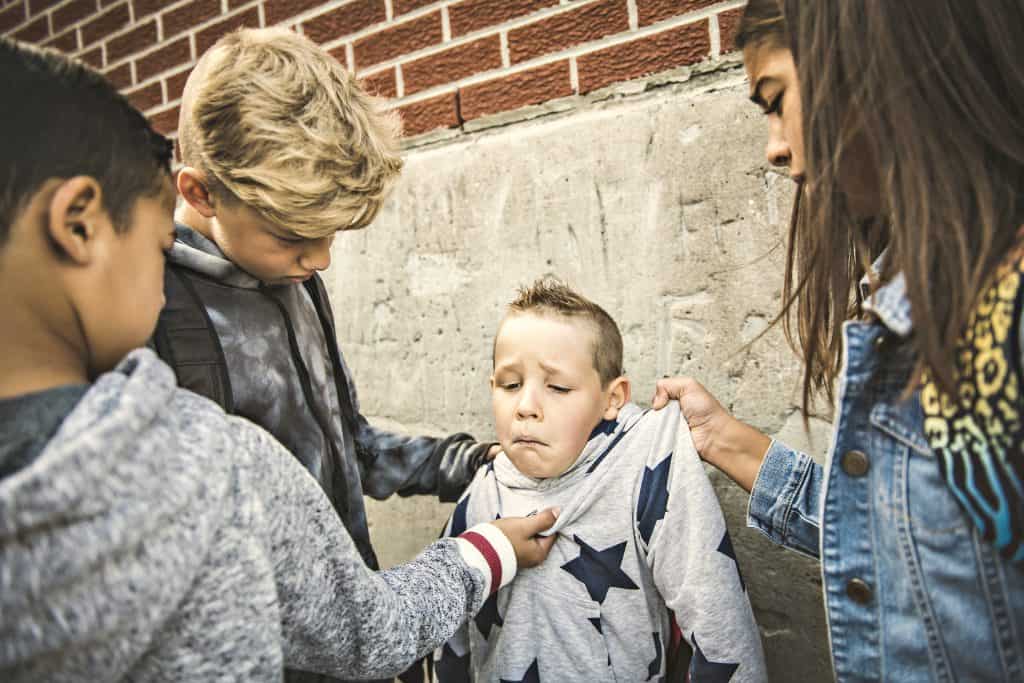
[[903, 123]]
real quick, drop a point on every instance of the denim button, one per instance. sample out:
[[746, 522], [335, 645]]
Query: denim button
[[855, 463], [858, 591], [879, 341]]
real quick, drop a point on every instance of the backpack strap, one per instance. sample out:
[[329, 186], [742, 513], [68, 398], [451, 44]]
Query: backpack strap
[[186, 340]]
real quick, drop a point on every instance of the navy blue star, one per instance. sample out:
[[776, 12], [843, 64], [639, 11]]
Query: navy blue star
[[488, 616], [607, 450], [709, 672], [452, 668], [603, 427], [597, 624], [599, 570], [653, 498], [725, 547], [654, 668], [459, 517], [532, 675]]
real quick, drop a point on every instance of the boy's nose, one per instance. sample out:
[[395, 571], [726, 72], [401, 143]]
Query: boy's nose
[[317, 255], [527, 408]]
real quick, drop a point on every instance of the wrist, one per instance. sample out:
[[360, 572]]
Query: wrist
[[738, 450]]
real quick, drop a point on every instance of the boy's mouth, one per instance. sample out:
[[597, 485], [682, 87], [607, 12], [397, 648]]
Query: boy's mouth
[[528, 441]]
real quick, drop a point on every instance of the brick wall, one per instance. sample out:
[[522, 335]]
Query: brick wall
[[441, 63]]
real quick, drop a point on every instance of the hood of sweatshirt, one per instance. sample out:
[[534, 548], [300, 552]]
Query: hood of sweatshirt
[[88, 525], [196, 252]]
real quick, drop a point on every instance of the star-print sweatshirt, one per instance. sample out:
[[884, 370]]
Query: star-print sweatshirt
[[641, 543]]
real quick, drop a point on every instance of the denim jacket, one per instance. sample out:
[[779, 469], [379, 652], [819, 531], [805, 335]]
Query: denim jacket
[[912, 592]]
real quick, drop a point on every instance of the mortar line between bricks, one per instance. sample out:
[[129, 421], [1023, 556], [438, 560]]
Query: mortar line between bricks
[[610, 41], [575, 51], [715, 34]]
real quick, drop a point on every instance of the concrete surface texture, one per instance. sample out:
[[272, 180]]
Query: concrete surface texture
[[657, 204]]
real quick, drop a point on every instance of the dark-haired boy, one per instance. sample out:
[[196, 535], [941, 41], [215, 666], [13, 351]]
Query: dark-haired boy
[[642, 551], [144, 534]]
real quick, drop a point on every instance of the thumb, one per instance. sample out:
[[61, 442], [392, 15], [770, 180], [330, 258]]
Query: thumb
[[660, 399], [542, 521]]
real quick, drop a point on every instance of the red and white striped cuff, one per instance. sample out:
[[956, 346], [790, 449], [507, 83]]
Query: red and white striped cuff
[[486, 548]]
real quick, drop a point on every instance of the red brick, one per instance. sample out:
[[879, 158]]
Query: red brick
[[561, 31], [345, 20], [146, 97], [37, 6], [66, 43], [474, 15], [34, 32], [93, 57], [11, 17], [143, 8], [102, 26], [652, 11], [176, 84], [72, 13], [518, 90], [205, 39], [190, 15], [728, 23], [278, 10], [168, 57], [401, 7], [662, 51], [437, 112], [452, 64], [400, 40], [135, 40], [120, 76], [382, 84], [165, 122], [339, 53]]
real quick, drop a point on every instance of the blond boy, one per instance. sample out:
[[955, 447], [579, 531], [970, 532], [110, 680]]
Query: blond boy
[[282, 149]]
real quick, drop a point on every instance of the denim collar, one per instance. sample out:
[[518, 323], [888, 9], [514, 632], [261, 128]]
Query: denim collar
[[889, 302]]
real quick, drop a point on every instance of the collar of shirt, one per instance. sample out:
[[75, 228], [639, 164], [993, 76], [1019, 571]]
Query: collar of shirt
[[889, 303]]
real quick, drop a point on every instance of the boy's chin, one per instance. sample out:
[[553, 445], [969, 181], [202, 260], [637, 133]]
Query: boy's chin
[[529, 460]]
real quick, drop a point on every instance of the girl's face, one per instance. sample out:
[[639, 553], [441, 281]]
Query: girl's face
[[774, 88]]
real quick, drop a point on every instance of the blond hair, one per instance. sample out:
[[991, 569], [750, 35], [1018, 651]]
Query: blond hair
[[550, 295], [279, 125]]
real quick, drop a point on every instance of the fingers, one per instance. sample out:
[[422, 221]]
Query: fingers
[[669, 388], [660, 399], [537, 550], [542, 521]]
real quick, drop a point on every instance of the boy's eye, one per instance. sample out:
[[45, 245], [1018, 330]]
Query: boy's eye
[[287, 240], [510, 386], [776, 106], [559, 389]]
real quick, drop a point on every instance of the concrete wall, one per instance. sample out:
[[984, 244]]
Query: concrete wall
[[653, 200]]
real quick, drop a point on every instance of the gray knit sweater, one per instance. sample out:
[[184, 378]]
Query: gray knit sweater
[[156, 538]]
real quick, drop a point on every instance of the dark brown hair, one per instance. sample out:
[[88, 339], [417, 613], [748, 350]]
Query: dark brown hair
[[549, 295], [933, 93], [761, 24]]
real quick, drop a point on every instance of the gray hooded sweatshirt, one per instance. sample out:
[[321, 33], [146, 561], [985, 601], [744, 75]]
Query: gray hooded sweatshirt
[[642, 552], [147, 536]]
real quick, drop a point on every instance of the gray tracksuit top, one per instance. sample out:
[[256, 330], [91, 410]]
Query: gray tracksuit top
[[154, 538], [286, 374], [641, 541]]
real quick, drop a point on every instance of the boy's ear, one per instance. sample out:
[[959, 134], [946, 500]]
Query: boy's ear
[[76, 218], [193, 189], [618, 396]]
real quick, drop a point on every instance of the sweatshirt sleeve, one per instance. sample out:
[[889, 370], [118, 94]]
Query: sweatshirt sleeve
[[337, 616], [680, 526], [409, 465]]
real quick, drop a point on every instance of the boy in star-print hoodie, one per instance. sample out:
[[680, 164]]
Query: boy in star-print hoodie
[[643, 555]]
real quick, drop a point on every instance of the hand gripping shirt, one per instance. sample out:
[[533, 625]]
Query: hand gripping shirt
[[641, 542]]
